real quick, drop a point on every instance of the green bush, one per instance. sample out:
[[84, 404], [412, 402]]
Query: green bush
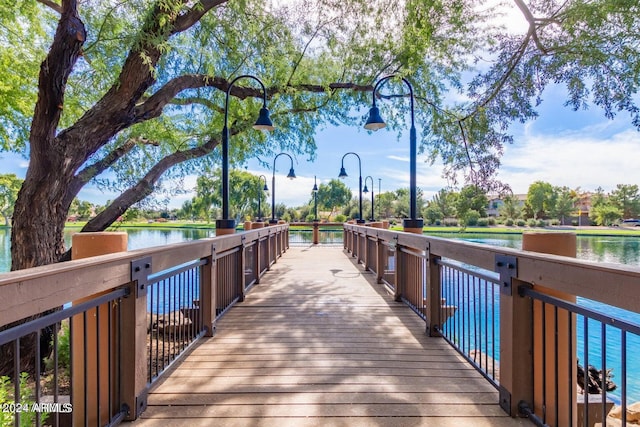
[[27, 417], [64, 350], [508, 222], [531, 223], [451, 222], [471, 218], [483, 222], [521, 223], [541, 223], [340, 218], [555, 222], [491, 220]]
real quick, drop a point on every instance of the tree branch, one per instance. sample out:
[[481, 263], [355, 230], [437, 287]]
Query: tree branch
[[95, 169], [54, 73], [187, 20], [51, 4]]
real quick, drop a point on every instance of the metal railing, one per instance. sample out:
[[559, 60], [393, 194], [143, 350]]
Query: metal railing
[[63, 363], [109, 326], [489, 303]]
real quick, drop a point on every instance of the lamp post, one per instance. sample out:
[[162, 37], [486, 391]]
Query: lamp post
[[343, 174], [227, 225], [291, 175], [375, 122], [265, 188], [365, 191], [315, 199]]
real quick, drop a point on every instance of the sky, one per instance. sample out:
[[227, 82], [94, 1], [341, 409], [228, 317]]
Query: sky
[[563, 147]]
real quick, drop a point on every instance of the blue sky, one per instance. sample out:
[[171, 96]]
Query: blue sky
[[563, 147]]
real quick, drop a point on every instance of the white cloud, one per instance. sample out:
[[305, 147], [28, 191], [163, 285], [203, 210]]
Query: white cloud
[[572, 159]]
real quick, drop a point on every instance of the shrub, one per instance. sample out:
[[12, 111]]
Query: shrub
[[508, 222], [340, 218], [531, 223], [541, 223], [492, 221], [451, 222], [27, 418], [555, 222], [471, 218], [521, 223], [483, 222]]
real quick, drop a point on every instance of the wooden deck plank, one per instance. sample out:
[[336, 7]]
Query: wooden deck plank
[[317, 342]]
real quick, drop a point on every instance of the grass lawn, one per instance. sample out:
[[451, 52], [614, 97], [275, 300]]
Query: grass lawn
[[580, 231]]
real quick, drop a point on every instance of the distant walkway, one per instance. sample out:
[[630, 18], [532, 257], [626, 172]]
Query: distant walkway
[[318, 343]]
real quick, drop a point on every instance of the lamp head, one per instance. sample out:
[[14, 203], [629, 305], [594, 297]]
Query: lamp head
[[265, 188], [315, 188], [365, 189], [374, 122], [264, 122], [292, 174], [343, 173]]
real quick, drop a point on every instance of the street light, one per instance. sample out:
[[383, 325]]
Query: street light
[[227, 225], [315, 199], [265, 188], [291, 175], [365, 190], [375, 122], [343, 174]]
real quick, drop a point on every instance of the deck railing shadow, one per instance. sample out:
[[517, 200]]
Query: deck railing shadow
[[489, 303]]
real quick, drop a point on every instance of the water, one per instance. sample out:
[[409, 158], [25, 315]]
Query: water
[[622, 250]]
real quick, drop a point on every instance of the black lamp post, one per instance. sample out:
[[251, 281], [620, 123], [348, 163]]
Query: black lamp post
[[375, 122], [343, 174], [265, 188], [291, 175], [315, 199], [227, 225], [365, 190]]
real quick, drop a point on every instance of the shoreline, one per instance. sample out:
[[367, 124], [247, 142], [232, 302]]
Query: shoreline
[[592, 231]]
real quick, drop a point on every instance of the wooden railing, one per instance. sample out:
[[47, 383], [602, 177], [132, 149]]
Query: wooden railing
[[130, 316], [500, 309]]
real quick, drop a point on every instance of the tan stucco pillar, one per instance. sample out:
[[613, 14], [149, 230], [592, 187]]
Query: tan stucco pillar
[[556, 244]]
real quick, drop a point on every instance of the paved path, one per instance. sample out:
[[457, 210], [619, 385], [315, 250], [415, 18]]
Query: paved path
[[318, 343]]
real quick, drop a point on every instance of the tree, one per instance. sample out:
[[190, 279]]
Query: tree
[[333, 195], [138, 88], [244, 190], [540, 199], [605, 214], [565, 202], [627, 199], [510, 207], [471, 203], [385, 204], [9, 187]]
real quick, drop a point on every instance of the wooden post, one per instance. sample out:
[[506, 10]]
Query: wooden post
[[434, 297], [556, 244], [208, 298], [316, 232], [90, 340]]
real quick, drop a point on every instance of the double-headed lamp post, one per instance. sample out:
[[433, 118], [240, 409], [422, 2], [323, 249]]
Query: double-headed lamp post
[[343, 174], [290, 175], [375, 122], [365, 190], [227, 225], [315, 199], [260, 190]]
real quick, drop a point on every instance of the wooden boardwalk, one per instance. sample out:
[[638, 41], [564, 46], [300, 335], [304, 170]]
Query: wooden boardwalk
[[318, 343]]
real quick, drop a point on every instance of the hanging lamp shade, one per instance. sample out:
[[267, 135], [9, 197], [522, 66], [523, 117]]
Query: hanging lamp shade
[[343, 173], [264, 121], [365, 189], [292, 174], [374, 122], [315, 188], [265, 188]]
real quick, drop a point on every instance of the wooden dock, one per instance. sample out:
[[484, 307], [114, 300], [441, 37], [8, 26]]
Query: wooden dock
[[319, 343]]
